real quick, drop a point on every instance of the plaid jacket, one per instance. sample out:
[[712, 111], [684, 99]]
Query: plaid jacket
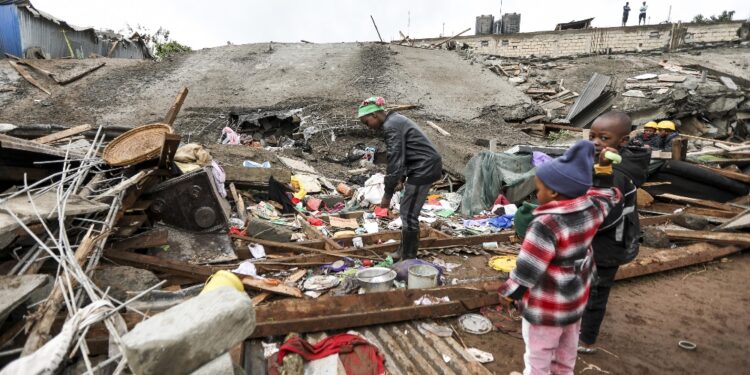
[[555, 264]]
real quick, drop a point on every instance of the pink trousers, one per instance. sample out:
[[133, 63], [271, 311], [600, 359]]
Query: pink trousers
[[550, 349]]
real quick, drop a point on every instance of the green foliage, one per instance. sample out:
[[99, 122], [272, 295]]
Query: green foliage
[[562, 135], [725, 16], [158, 42], [165, 49]]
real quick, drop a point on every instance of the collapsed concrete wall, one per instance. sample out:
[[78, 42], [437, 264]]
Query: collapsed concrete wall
[[601, 40]]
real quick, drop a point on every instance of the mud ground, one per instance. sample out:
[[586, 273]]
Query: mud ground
[[646, 318]]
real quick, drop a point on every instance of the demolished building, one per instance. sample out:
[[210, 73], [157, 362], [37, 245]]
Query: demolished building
[[26, 31]]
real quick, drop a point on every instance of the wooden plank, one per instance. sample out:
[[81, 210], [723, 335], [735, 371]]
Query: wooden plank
[[679, 149], [342, 312], [742, 239], [451, 38], [63, 134], [668, 208], [81, 75], [315, 233], [27, 76], [701, 202], [740, 221], [656, 220], [168, 150], [190, 271], [112, 50], [13, 143], [292, 247], [153, 238], [256, 176], [290, 280], [282, 288], [664, 260], [439, 129], [175, 109]]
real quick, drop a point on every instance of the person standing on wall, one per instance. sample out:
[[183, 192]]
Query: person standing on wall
[[412, 161], [625, 13], [642, 14]]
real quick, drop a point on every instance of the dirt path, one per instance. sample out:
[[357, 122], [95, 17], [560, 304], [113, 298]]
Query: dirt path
[[646, 317]]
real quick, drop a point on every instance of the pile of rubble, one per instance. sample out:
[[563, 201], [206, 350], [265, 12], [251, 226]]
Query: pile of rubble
[[120, 244]]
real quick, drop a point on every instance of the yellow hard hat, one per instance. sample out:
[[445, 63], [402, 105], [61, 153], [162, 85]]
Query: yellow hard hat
[[651, 124], [667, 125]]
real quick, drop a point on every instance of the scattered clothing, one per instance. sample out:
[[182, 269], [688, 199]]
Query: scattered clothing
[[357, 355], [539, 158]]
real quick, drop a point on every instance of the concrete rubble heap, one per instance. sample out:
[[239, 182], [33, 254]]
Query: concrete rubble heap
[[138, 248]]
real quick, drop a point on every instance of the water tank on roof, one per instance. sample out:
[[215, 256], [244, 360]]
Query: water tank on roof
[[484, 24], [511, 23]]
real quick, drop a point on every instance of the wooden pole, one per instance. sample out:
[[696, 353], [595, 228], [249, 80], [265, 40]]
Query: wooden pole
[[451, 38], [376, 29], [172, 113], [679, 148]]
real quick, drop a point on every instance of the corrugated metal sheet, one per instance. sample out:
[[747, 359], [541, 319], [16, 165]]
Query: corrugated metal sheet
[[591, 92], [10, 35], [407, 351], [46, 34]]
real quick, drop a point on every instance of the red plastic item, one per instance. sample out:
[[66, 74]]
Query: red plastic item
[[237, 231], [381, 212], [315, 221], [313, 204], [367, 263]]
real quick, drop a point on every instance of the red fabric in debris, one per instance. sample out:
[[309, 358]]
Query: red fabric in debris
[[381, 212], [237, 231], [313, 204], [315, 221], [502, 200], [358, 356]]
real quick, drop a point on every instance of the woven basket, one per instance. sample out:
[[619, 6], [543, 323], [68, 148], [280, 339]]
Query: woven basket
[[136, 145]]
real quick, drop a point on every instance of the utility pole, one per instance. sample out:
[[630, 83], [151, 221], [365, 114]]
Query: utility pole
[[669, 16], [443, 33], [408, 23]]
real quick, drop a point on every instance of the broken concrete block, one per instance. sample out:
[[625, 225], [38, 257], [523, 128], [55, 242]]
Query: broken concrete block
[[221, 365], [184, 338], [122, 279], [690, 221], [264, 230], [655, 237]]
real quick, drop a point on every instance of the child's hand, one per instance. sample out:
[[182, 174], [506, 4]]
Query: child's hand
[[603, 160]]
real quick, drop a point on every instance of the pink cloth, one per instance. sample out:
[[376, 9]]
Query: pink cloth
[[550, 349]]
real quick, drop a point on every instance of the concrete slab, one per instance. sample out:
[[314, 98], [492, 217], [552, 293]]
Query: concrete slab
[[14, 290], [184, 338]]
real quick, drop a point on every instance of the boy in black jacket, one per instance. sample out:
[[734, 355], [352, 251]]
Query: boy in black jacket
[[617, 241]]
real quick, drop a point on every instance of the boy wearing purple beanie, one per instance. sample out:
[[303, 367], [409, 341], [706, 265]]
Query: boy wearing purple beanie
[[553, 271]]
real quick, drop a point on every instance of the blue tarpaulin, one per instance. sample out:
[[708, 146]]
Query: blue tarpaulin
[[10, 33]]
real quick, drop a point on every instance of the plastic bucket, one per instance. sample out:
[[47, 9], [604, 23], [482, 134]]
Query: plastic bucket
[[223, 278], [422, 276]]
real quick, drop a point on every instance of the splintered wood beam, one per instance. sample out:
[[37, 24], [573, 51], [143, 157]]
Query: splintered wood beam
[[153, 238], [664, 260], [81, 75], [63, 134], [350, 311], [701, 202], [175, 109], [263, 285], [742, 239], [27, 76], [290, 280], [190, 271]]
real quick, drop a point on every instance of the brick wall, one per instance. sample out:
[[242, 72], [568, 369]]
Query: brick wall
[[599, 40]]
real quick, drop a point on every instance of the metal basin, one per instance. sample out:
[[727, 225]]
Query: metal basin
[[376, 279]]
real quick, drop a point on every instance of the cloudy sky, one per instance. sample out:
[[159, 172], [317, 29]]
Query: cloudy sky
[[200, 23]]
